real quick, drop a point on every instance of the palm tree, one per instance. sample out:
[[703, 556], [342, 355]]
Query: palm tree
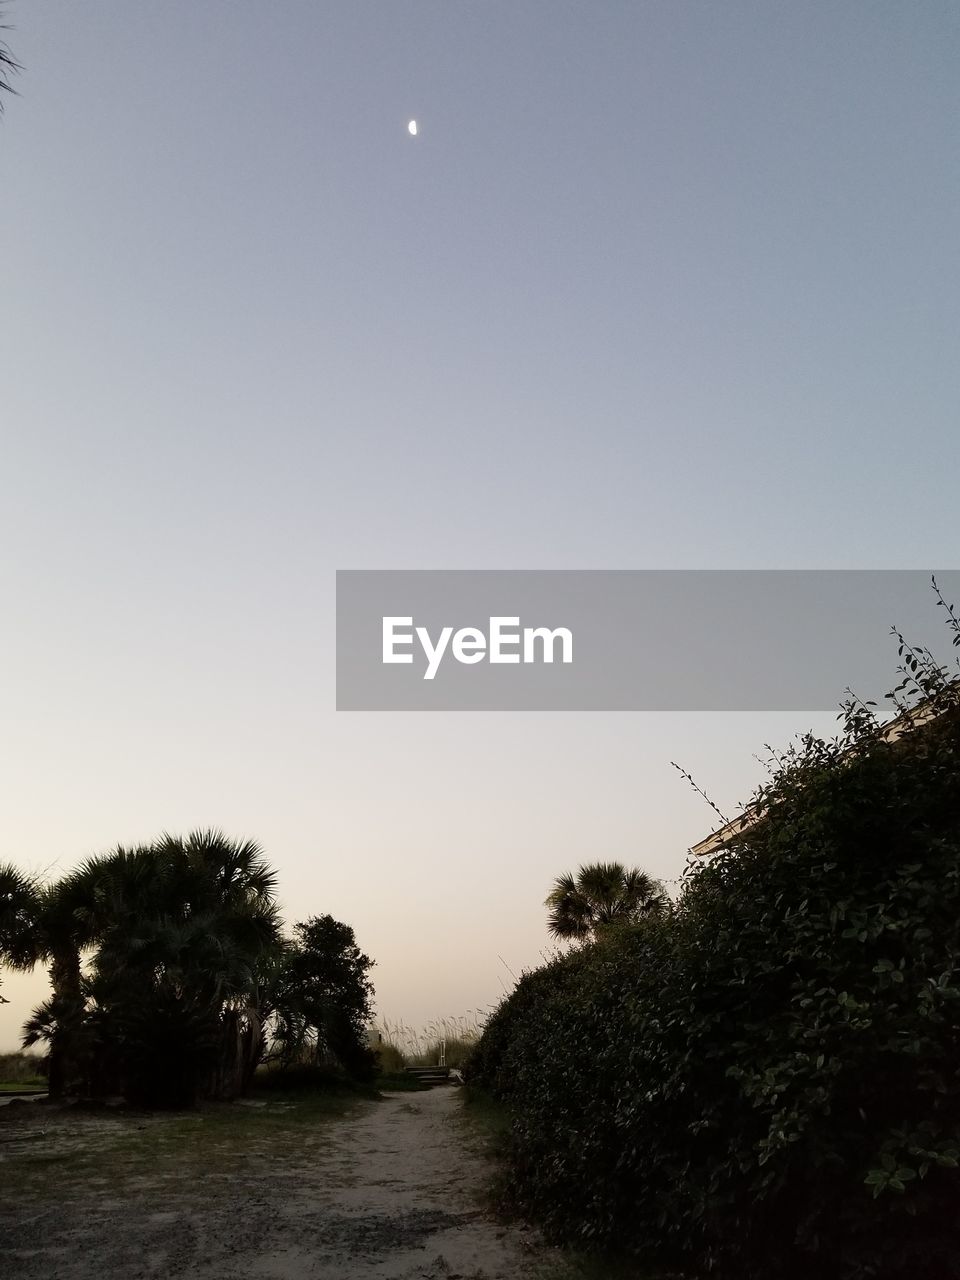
[[37, 924], [599, 895], [19, 909], [65, 926], [181, 932], [186, 932]]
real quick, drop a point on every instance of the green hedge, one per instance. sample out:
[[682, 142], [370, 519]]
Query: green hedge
[[765, 1084]]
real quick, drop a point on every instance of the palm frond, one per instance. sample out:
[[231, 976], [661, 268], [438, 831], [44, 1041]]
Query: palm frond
[[601, 894], [20, 902], [8, 67]]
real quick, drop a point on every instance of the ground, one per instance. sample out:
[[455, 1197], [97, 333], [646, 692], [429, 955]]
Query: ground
[[293, 1190]]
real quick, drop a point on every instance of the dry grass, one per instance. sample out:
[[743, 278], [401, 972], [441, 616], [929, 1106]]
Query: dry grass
[[421, 1048], [20, 1066], [21, 1070]]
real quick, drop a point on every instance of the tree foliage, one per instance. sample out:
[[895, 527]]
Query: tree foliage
[[170, 972], [168, 1006], [766, 1083], [323, 1004], [19, 903], [599, 895]]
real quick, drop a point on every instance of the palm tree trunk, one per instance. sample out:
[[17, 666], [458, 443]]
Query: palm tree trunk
[[251, 1049], [65, 978]]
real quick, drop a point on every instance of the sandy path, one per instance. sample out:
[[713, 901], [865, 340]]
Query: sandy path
[[391, 1191]]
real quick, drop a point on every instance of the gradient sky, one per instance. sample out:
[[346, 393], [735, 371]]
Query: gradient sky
[[656, 286]]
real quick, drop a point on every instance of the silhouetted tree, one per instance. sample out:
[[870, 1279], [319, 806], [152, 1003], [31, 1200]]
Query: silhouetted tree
[[324, 1001], [601, 894], [19, 908], [181, 933]]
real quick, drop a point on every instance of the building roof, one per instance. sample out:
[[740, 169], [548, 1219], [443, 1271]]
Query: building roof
[[731, 830]]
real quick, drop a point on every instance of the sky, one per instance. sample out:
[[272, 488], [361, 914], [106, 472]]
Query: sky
[[654, 286]]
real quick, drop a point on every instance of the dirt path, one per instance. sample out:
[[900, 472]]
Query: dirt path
[[391, 1191]]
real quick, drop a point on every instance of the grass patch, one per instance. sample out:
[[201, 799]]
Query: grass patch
[[22, 1068], [490, 1119], [112, 1150], [487, 1124], [294, 1082]]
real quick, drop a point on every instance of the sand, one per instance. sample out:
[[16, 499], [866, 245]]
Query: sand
[[393, 1190]]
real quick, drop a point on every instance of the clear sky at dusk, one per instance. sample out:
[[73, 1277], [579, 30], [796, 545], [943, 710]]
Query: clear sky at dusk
[[654, 286]]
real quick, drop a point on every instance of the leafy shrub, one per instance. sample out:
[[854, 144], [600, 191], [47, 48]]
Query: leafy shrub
[[766, 1082], [390, 1060]]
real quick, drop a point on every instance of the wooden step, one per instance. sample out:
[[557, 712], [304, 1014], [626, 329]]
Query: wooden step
[[429, 1075]]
